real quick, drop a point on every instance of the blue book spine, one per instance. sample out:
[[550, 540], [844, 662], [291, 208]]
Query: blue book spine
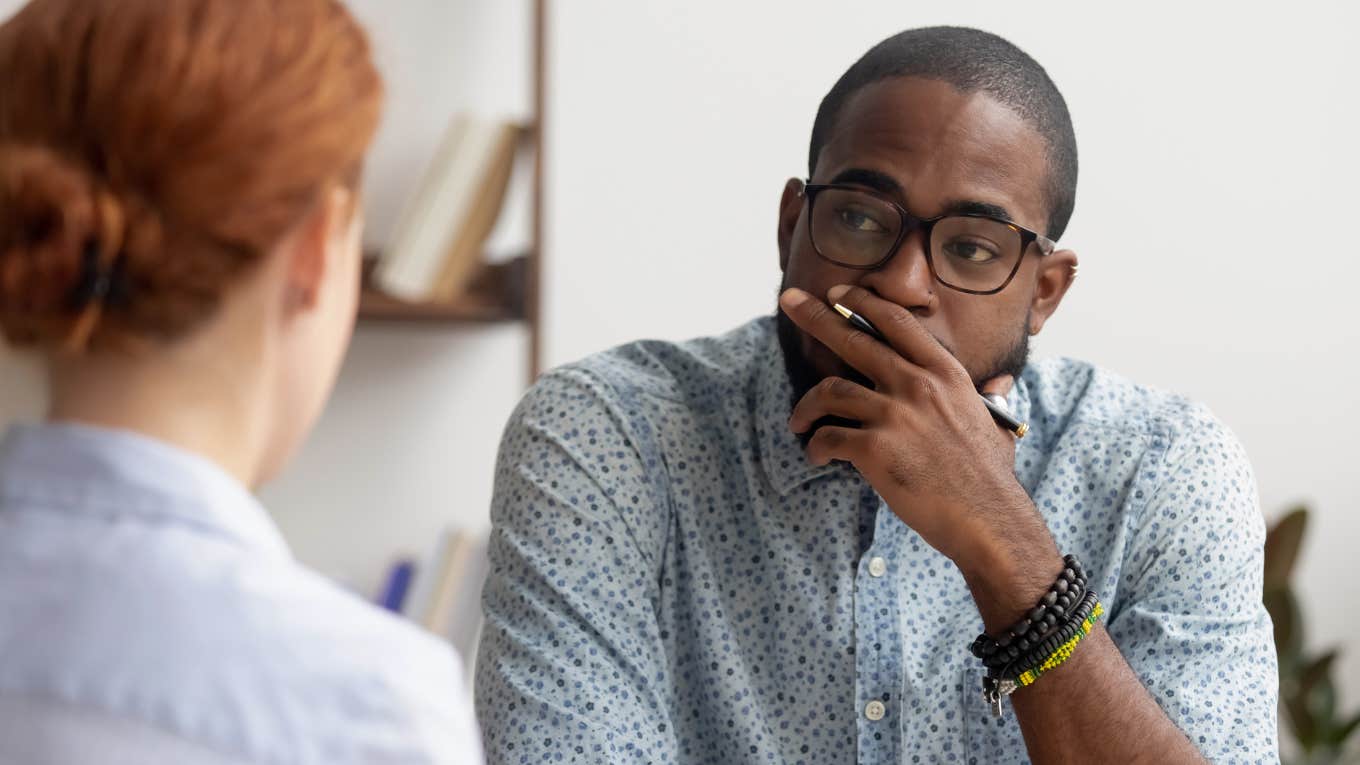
[[398, 583]]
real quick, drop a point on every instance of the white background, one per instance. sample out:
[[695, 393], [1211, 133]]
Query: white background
[[1215, 219]]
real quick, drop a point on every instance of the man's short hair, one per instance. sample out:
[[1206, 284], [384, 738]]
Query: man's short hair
[[971, 61]]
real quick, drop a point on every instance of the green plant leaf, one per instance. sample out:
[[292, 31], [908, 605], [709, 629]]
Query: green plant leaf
[[1287, 622], [1301, 722], [1338, 735], [1282, 547], [1307, 693], [1319, 694], [1316, 671]]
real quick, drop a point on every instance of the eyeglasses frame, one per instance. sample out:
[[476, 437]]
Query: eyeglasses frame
[[910, 223]]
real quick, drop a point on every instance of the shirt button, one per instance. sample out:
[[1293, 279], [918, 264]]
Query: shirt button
[[875, 710], [877, 567]]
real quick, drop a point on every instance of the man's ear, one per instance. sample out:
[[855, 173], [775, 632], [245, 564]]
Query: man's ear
[[790, 207], [1056, 273], [311, 248]]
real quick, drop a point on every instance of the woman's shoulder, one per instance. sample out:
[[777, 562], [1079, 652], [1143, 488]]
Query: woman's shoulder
[[253, 655]]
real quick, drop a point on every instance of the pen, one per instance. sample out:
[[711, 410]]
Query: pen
[[996, 406]]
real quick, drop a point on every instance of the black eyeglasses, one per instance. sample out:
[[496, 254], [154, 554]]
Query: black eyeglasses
[[972, 253]]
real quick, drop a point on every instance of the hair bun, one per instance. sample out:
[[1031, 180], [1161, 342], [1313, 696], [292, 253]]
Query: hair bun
[[50, 211], [46, 217]]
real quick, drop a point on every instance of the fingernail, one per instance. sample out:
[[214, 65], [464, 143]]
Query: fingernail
[[792, 298], [836, 293]]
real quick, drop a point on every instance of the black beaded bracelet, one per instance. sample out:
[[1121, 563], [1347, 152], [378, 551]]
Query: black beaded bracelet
[[1045, 648], [1050, 645], [1029, 635], [1058, 637], [1051, 611], [1047, 614]]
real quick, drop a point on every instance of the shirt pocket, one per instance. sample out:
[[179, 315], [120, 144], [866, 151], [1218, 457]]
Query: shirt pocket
[[987, 738]]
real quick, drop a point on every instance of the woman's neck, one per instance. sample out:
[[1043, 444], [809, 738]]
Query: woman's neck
[[205, 406]]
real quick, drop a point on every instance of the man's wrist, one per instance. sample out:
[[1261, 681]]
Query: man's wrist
[[1008, 575]]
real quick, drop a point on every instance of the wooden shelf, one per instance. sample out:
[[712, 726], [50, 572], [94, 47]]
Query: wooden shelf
[[497, 294], [503, 292]]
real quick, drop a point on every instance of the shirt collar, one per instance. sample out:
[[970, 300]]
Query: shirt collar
[[781, 452], [117, 473]]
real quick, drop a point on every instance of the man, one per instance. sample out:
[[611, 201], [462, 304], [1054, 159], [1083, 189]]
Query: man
[[779, 545]]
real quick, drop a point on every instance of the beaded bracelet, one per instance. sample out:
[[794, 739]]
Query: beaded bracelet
[[1049, 643], [1045, 649], [1063, 652], [1050, 612], [1030, 639], [995, 688]]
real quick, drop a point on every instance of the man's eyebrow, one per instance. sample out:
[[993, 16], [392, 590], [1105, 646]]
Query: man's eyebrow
[[881, 182], [974, 207], [886, 184]]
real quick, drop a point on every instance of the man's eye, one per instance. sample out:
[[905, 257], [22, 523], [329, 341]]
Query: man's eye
[[971, 251], [856, 220]]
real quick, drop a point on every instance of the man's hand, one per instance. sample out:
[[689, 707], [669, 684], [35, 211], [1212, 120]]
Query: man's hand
[[929, 447], [931, 450]]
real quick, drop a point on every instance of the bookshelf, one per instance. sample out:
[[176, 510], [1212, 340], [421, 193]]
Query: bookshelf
[[501, 292], [497, 294]]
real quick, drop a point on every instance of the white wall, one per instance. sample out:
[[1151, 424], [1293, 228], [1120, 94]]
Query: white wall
[[1203, 132]]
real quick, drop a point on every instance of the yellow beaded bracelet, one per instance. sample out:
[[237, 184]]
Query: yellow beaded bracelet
[[1063, 651]]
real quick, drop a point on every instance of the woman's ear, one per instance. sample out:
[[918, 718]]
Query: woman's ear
[[790, 207], [1056, 274], [313, 248]]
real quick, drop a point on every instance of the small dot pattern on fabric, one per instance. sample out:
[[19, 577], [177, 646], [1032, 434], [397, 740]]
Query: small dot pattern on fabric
[[672, 582]]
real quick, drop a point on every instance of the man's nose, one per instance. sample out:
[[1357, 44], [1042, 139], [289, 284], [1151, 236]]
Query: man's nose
[[906, 278]]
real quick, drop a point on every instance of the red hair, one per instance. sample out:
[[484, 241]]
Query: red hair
[[170, 142]]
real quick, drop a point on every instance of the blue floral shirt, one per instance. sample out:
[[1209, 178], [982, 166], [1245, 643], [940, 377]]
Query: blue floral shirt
[[673, 582]]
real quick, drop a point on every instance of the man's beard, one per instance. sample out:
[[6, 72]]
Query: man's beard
[[803, 376]]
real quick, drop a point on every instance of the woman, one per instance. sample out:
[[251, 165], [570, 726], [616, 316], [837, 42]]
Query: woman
[[179, 238]]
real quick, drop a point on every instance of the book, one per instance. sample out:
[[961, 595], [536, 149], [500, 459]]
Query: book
[[464, 617], [469, 244], [422, 587], [437, 242], [448, 589], [398, 583]]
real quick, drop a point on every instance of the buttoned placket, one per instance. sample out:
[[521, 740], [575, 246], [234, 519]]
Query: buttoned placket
[[877, 663]]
